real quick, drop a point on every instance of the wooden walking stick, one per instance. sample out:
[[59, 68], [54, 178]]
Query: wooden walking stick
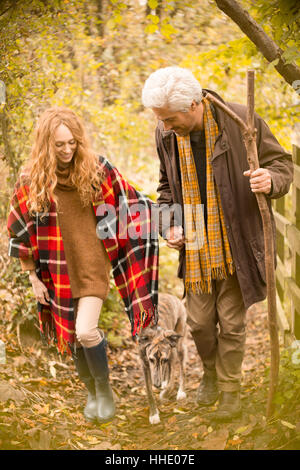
[[249, 137]]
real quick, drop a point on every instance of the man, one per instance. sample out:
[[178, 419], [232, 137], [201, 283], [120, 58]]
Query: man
[[203, 162]]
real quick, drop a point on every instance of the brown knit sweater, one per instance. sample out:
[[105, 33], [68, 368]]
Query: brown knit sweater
[[87, 261]]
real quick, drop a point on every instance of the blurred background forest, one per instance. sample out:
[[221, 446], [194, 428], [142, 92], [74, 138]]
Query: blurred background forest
[[94, 56]]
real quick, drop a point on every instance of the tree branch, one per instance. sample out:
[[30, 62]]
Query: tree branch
[[269, 49], [228, 111], [8, 8]]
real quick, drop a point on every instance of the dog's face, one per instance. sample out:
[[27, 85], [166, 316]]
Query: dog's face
[[157, 348]]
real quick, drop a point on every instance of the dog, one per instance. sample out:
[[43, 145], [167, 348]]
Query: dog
[[157, 347]]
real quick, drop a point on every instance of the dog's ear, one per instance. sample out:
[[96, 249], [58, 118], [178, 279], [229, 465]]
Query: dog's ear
[[146, 336], [143, 339], [172, 337]]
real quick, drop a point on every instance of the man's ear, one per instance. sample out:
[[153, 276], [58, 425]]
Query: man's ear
[[193, 105]]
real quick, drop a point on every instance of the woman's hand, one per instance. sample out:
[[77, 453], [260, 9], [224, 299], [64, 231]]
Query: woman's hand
[[39, 289], [175, 237]]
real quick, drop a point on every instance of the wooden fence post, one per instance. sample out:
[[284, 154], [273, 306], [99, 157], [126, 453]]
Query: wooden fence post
[[288, 267], [295, 291]]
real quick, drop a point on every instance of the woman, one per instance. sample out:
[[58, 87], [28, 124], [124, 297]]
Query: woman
[[58, 207]]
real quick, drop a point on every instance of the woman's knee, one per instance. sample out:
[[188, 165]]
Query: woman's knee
[[87, 318], [87, 337]]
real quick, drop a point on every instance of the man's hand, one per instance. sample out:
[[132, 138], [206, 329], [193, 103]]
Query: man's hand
[[175, 237], [260, 180], [39, 289]]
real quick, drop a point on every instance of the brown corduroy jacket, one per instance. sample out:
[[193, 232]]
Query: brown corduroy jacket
[[241, 212]]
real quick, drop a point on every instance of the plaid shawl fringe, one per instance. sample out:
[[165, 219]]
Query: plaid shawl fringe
[[134, 260]]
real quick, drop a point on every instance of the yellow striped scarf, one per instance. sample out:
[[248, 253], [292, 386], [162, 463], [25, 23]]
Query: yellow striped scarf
[[208, 253]]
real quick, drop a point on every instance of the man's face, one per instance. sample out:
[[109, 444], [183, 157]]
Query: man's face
[[181, 123]]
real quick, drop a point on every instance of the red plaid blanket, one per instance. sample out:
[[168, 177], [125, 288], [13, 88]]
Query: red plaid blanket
[[124, 224]]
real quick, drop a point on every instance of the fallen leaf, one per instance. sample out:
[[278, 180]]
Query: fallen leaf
[[241, 430], [234, 442], [195, 418], [77, 443], [45, 440], [53, 371], [172, 420], [123, 417], [8, 392], [92, 439], [42, 409], [106, 445], [41, 441], [216, 440], [288, 425], [19, 361], [178, 410]]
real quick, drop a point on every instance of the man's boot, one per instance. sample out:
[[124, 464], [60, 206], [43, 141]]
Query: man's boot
[[229, 406], [207, 393], [90, 410], [98, 365]]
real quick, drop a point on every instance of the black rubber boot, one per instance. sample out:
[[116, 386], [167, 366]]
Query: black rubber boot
[[207, 393], [98, 365], [229, 406], [90, 410]]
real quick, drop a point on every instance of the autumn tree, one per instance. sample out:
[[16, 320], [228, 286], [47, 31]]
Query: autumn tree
[[281, 46]]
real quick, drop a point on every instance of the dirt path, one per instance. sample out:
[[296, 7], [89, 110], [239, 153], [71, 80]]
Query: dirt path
[[42, 399]]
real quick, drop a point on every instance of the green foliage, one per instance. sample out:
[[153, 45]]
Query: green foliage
[[288, 390], [66, 53], [17, 299], [281, 19], [225, 69], [52, 54]]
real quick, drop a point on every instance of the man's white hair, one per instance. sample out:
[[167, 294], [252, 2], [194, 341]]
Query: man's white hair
[[175, 87]]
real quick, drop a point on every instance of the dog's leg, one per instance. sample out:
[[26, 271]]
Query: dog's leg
[[164, 394], [181, 395], [154, 413]]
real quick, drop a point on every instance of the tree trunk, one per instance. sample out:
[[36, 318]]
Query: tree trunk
[[100, 24], [269, 49], [158, 9], [8, 153]]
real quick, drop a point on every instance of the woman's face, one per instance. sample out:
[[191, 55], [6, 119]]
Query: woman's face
[[65, 144]]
